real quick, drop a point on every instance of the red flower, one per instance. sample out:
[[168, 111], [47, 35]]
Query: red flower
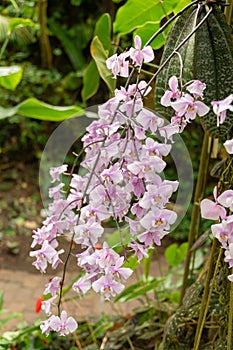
[[38, 304]]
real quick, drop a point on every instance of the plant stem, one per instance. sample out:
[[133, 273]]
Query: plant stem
[[195, 212], [207, 292], [147, 264], [4, 45], [229, 11], [230, 318]]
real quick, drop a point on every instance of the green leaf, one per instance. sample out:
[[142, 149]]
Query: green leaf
[[10, 77], [180, 5], [33, 108], [138, 289], [20, 22], [103, 30], [91, 81], [132, 262], [91, 77], [175, 254], [137, 12], [100, 55], [71, 48], [182, 27]]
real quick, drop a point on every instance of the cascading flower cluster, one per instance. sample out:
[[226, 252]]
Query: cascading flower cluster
[[122, 165], [221, 209]]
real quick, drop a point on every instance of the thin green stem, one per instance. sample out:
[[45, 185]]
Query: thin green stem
[[4, 45], [130, 343], [207, 292], [195, 212], [147, 264], [230, 318], [15, 5]]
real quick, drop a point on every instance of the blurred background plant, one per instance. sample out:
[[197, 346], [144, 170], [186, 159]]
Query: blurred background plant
[[52, 54]]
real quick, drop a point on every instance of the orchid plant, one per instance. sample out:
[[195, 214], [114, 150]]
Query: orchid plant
[[123, 181]]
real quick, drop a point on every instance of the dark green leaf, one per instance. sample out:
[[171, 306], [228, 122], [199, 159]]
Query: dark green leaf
[[182, 27], [91, 81], [103, 30], [100, 55]]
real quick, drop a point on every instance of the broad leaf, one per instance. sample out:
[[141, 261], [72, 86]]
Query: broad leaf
[[137, 12], [91, 77], [103, 30], [175, 254], [182, 27], [91, 81], [10, 77], [100, 55], [33, 108], [180, 5]]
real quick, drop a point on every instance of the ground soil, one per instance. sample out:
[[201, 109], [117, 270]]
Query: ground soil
[[20, 208]]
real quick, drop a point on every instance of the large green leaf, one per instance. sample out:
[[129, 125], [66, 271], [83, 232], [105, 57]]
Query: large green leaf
[[180, 5], [10, 77], [100, 55], [91, 77], [33, 108], [91, 80], [137, 12], [182, 27], [175, 254], [103, 30], [206, 56], [214, 66]]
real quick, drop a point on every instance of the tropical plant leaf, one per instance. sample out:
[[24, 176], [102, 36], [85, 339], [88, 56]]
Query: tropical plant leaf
[[16, 29], [214, 45], [138, 289], [10, 77], [100, 55], [103, 30], [91, 81], [180, 5], [182, 27], [206, 56], [91, 78], [4, 26], [138, 12], [33, 108], [175, 254]]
